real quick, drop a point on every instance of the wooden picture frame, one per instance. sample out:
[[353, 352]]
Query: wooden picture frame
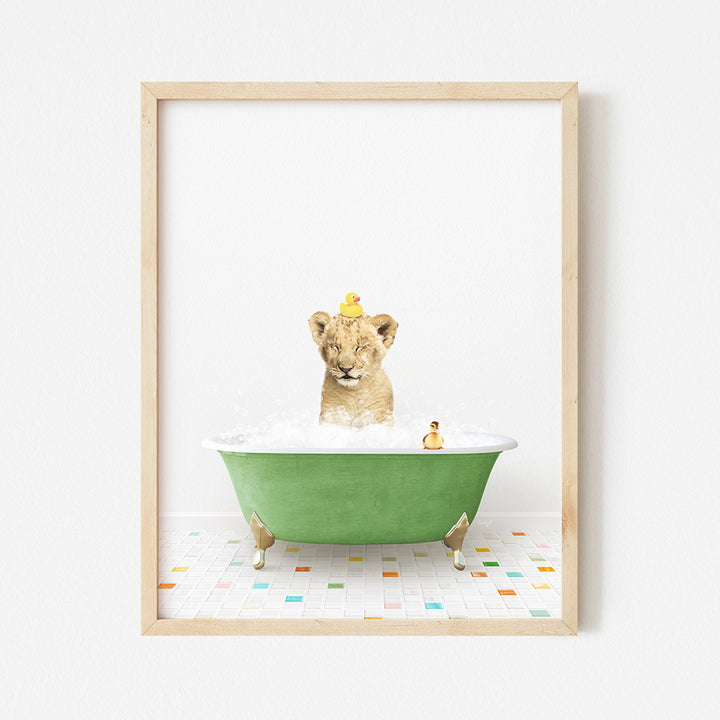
[[152, 93]]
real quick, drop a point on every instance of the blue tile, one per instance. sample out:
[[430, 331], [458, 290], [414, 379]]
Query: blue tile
[[293, 598], [434, 606], [195, 533], [260, 586], [515, 574]]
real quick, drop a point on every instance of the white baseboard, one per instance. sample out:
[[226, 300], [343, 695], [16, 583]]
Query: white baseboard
[[235, 521]]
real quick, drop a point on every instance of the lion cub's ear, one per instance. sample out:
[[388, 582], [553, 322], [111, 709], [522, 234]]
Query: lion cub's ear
[[386, 328], [318, 322]]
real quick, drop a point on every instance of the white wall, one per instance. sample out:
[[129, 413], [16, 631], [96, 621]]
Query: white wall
[[69, 253], [445, 215]]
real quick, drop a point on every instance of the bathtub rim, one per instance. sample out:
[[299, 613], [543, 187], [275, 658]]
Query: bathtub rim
[[495, 443]]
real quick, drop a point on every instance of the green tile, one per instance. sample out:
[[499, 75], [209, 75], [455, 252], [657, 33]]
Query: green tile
[[491, 563], [232, 542], [236, 564], [421, 554], [389, 559], [540, 613], [336, 586]]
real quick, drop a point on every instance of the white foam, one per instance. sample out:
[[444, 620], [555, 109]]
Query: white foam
[[294, 431]]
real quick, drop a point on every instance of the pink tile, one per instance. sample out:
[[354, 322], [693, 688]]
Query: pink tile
[[222, 586], [393, 606]]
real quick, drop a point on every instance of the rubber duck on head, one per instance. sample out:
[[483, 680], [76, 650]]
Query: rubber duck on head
[[351, 308]]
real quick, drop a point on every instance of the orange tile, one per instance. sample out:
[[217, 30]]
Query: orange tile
[[519, 534], [166, 586], [546, 569], [302, 569], [478, 574], [391, 574], [507, 592], [373, 617]]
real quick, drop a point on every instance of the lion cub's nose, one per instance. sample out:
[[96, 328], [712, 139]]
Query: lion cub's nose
[[345, 370]]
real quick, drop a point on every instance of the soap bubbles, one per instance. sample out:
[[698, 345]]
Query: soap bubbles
[[285, 429]]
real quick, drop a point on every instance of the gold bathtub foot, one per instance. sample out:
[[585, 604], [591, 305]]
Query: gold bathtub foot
[[454, 540], [263, 539]]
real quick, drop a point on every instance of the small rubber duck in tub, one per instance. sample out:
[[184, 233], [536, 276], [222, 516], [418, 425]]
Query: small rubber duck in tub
[[433, 440]]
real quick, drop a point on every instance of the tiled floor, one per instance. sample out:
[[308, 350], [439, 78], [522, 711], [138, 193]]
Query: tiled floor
[[511, 572]]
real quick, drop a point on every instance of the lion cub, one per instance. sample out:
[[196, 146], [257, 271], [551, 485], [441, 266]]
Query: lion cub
[[356, 390]]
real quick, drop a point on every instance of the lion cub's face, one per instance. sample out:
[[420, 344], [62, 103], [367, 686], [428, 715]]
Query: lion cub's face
[[352, 348]]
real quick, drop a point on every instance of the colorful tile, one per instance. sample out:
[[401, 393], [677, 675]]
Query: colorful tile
[[421, 583]]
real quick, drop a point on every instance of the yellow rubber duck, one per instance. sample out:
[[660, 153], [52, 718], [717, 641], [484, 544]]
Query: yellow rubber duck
[[350, 307], [433, 440]]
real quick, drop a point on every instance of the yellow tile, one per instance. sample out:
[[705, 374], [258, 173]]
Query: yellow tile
[[541, 586], [372, 617], [482, 549], [355, 559], [292, 549], [180, 569]]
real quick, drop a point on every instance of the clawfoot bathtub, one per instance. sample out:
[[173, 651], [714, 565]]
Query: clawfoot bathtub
[[360, 496]]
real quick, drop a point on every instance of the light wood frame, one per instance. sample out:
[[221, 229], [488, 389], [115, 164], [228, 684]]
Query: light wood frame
[[154, 92]]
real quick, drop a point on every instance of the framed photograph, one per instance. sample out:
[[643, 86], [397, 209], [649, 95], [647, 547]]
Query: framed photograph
[[359, 358]]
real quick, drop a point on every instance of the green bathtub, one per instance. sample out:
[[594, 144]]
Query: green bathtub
[[360, 496]]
